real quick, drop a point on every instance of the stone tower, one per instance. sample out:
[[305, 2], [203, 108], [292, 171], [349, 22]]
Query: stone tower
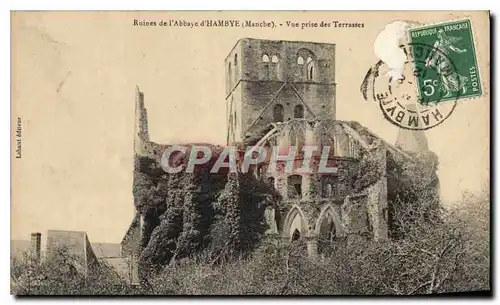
[[130, 244], [141, 134], [275, 81], [282, 94]]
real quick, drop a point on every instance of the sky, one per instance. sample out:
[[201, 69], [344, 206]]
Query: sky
[[73, 85]]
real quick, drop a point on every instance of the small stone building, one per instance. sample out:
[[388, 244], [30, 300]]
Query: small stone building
[[76, 250]]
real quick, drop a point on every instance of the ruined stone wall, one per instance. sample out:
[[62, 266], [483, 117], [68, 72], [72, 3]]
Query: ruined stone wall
[[355, 216], [377, 196], [314, 185], [75, 244], [320, 133], [358, 190]]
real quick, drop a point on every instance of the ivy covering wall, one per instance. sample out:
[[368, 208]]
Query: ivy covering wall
[[222, 215], [188, 213]]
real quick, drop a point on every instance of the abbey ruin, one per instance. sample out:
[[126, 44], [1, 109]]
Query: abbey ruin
[[282, 94]]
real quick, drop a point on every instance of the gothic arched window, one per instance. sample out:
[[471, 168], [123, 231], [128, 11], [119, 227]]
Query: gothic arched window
[[307, 68], [278, 113], [265, 58], [329, 186], [298, 112], [328, 190], [310, 72], [294, 186], [310, 68], [274, 59], [327, 233]]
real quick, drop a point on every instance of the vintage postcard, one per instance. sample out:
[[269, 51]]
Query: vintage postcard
[[250, 153]]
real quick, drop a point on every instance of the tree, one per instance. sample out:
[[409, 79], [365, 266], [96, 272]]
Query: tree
[[190, 239], [231, 203]]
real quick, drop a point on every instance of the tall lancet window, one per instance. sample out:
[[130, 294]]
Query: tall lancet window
[[275, 68], [265, 66], [310, 68], [298, 112], [278, 113]]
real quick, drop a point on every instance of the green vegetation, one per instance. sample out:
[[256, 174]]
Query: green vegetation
[[446, 256], [204, 234]]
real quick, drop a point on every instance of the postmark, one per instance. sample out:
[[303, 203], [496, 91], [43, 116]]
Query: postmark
[[399, 100], [453, 57]]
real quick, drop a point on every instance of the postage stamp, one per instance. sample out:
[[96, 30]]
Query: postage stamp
[[399, 99], [450, 69]]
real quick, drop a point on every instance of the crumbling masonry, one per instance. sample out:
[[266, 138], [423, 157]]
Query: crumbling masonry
[[283, 93]]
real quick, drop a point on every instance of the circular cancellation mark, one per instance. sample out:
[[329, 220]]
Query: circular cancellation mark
[[405, 102]]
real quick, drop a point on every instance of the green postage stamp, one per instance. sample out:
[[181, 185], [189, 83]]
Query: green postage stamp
[[445, 62]]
